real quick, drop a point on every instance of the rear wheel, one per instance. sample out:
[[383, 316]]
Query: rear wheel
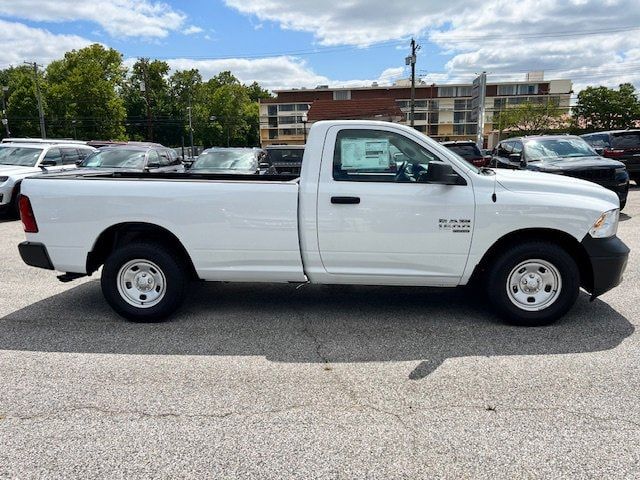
[[144, 282], [533, 284]]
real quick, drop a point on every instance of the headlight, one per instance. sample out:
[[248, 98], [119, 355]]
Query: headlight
[[3, 179], [606, 225]]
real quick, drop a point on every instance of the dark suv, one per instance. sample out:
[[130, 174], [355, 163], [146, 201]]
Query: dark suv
[[468, 150], [563, 155], [622, 145]]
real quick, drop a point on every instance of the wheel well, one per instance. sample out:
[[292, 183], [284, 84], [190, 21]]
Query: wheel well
[[563, 239], [124, 233]]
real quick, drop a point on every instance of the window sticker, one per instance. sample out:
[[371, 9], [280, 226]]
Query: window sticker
[[365, 154]]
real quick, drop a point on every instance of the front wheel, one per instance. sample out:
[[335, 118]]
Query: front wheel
[[144, 282], [533, 284]]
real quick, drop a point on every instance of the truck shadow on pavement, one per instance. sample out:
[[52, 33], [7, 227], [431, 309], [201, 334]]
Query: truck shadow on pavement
[[313, 324]]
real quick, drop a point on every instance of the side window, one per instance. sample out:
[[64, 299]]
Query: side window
[[165, 161], [83, 153], [54, 155], [154, 159], [173, 157], [517, 146], [70, 156], [503, 149], [378, 156]]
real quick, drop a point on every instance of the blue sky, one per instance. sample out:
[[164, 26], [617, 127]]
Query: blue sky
[[280, 43]]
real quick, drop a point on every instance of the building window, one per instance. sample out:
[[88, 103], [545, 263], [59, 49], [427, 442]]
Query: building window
[[507, 89], [286, 107], [273, 134], [342, 94], [531, 89], [433, 130], [499, 103], [463, 92], [462, 104], [402, 103], [433, 117], [420, 116], [273, 121], [288, 132], [290, 120], [433, 105], [302, 107], [446, 91], [273, 110], [459, 117], [421, 104]]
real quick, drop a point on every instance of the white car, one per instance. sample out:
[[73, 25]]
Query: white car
[[22, 158], [376, 204]]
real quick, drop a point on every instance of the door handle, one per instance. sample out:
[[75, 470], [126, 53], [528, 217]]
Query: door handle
[[345, 200]]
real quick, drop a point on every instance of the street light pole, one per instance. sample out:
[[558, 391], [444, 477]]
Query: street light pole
[[190, 127], [411, 60], [5, 117]]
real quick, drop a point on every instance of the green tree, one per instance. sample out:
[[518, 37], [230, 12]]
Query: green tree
[[602, 108], [149, 104], [21, 103], [83, 94], [530, 118]]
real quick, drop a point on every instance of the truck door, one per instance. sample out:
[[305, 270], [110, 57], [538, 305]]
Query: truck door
[[378, 223]]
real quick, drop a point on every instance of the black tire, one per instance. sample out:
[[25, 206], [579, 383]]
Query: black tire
[[14, 210], [498, 277], [172, 270]]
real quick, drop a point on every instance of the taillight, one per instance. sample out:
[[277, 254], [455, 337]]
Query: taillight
[[612, 152], [26, 215]]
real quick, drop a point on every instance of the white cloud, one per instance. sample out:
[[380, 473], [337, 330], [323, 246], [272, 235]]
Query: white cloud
[[273, 73], [501, 37], [123, 18], [19, 42], [192, 29]]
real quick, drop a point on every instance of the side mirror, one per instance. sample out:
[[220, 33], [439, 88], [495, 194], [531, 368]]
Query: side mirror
[[518, 158], [599, 150], [441, 173], [79, 162], [48, 163]]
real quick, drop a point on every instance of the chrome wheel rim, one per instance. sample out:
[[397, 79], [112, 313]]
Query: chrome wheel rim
[[534, 285], [141, 283]]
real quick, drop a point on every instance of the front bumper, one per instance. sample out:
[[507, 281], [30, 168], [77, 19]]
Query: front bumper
[[35, 254], [608, 258]]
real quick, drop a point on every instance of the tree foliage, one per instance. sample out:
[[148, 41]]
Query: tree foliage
[[602, 108], [89, 94], [530, 118]]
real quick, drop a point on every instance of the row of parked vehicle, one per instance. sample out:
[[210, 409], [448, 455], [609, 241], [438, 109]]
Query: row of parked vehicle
[[609, 159], [22, 158]]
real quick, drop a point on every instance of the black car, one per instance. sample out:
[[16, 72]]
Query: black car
[[622, 145], [563, 155], [135, 157], [285, 159], [469, 150]]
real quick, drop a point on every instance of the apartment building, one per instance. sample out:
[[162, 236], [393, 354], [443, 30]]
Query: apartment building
[[441, 111]]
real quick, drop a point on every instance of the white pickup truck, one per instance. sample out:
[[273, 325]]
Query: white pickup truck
[[376, 204]]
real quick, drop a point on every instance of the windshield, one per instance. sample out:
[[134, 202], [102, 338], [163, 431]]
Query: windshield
[[626, 140], [226, 160], [555, 148], [19, 156], [468, 151], [116, 158]]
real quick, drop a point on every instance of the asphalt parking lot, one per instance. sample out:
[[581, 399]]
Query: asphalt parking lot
[[259, 381]]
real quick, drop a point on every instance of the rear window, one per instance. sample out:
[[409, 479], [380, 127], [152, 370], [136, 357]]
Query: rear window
[[626, 140], [286, 155], [466, 151]]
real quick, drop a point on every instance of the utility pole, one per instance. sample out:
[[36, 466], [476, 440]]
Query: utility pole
[[43, 132], [144, 88], [5, 116], [411, 60], [190, 127]]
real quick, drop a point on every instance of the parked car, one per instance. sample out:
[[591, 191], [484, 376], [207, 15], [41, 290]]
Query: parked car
[[234, 161], [469, 150], [285, 159], [22, 159], [621, 145], [134, 157], [531, 239], [563, 155]]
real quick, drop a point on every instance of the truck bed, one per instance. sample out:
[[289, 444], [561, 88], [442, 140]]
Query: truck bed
[[235, 227]]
